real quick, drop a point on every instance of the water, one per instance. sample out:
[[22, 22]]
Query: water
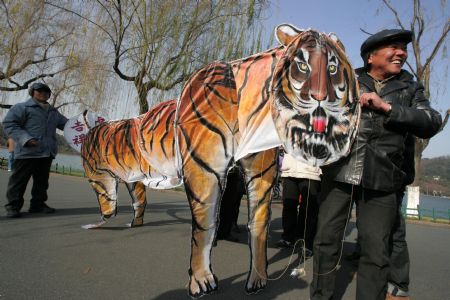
[[66, 160], [440, 205]]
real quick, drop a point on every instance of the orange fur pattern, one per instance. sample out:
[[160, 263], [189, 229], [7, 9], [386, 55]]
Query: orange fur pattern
[[131, 151], [218, 108], [222, 107]]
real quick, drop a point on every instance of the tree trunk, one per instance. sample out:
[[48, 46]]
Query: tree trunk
[[143, 104], [142, 90], [420, 145]]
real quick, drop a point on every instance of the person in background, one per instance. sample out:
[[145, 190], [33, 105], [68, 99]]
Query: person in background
[[393, 106], [32, 124], [229, 205], [10, 146], [301, 185]]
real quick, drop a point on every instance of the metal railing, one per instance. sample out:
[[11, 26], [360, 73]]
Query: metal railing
[[55, 168], [426, 214]]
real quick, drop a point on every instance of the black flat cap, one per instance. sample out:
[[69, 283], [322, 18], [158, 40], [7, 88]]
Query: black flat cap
[[38, 86], [384, 37]]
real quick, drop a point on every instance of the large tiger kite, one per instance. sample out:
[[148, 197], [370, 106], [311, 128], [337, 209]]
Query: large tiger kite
[[301, 95]]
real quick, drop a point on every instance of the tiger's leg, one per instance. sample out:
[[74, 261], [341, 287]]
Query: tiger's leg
[[105, 187], [203, 192], [261, 173], [139, 200]]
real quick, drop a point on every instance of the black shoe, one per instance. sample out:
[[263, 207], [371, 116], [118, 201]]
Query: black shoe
[[284, 244], [13, 213], [44, 208]]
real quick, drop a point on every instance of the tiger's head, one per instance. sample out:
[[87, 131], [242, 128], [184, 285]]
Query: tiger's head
[[313, 103]]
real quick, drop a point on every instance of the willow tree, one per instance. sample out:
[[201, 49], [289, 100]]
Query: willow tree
[[430, 39], [34, 44], [157, 44]]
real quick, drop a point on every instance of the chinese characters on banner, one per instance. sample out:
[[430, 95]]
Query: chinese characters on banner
[[77, 127]]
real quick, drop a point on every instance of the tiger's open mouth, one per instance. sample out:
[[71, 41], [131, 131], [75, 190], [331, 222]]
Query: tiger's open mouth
[[311, 145], [319, 121], [319, 124], [317, 142]]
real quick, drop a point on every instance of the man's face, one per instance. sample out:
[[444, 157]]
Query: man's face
[[387, 60], [41, 95]]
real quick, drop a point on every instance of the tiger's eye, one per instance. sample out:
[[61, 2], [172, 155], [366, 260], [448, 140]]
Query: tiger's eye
[[303, 67], [332, 69]]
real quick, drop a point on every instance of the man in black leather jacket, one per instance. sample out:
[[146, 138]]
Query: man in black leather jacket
[[393, 106]]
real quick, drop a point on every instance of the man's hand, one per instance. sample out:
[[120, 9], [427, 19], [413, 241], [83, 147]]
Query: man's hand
[[31, 143], [374, 102]]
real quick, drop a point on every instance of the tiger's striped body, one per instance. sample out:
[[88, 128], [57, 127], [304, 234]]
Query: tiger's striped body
[[280, 96], [213, 110], [221, 109], [136, 151]]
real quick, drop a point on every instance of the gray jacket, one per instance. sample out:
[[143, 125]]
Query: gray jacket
[[28, 120]]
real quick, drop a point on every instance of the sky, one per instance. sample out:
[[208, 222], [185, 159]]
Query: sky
[[346, 17]]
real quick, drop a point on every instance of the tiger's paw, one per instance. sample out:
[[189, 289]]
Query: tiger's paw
[[255, 283], [94, 225], [137, 222], [202, 285]]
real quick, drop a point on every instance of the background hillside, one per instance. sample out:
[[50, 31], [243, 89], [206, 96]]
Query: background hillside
[[436, 176]]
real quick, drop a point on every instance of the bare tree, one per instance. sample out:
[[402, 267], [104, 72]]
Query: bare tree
[[32, 42], [41, 44], [157, 44], [425, 54]]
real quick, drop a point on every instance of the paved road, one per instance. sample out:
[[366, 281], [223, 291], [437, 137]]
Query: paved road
[[52, 257]]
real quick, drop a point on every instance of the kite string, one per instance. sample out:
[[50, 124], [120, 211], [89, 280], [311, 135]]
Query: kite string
[[300, 272], [348, 214]]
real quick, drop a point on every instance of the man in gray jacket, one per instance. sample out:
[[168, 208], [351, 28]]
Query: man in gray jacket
[[32, 124]]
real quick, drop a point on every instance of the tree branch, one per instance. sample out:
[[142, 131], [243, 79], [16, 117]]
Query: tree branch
[[25, 85], [391, 8], [445, 31], [7, 106], [444, 122], [82, 17], [166, 87], [67, 103]]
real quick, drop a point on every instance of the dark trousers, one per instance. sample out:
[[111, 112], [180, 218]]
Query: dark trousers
[[24, 169], [376, 214], [300, 208], [229, 205], [399, 263]]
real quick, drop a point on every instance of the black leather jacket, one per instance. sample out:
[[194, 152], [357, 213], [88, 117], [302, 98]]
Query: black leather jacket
[[376, 158]]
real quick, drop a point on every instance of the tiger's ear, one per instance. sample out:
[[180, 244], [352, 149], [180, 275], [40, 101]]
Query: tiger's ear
[[338, 42], [285, 33]]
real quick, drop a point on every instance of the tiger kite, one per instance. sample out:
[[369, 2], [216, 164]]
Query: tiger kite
[[301, 95]]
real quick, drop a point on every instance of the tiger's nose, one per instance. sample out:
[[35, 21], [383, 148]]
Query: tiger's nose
[[318, 95]]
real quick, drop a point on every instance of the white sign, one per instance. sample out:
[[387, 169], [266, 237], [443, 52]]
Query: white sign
[[77, 127]]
